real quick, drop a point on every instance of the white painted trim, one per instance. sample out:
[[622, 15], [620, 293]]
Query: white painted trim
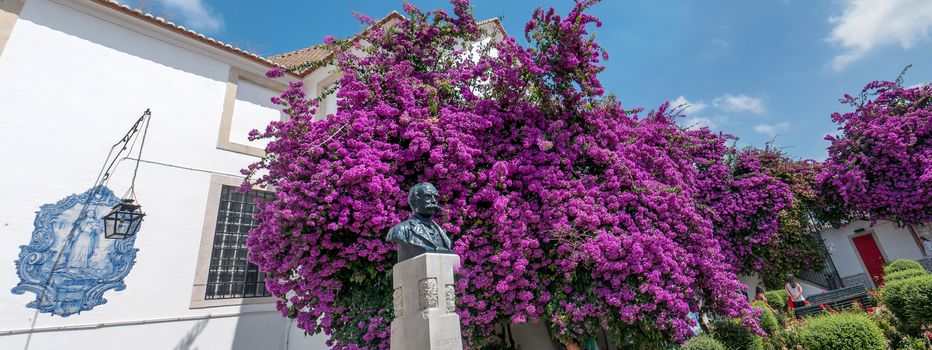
[[9, 13], [229, 103], [322, 85], [89, 326]]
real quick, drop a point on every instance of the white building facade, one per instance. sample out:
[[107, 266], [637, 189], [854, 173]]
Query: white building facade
[[74, 76], [860, 249]]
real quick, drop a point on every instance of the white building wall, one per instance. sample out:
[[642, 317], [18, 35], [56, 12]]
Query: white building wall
[[317, 82], [533, 336], [252, 109], [71, 84], [810, 289], [894, 242], [750, 282]]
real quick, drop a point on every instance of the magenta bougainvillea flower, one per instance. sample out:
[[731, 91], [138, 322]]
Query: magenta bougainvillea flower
[[564, 207], [794, 248], [880, 166]]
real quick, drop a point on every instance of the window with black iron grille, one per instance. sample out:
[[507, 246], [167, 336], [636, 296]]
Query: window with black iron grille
[[231, 275]]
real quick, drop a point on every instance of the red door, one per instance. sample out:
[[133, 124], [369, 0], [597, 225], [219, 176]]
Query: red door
[[871, 256]]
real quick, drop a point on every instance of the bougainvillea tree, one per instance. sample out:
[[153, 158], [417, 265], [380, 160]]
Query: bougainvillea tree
[[564, 207], [795, 247], [880, 166], [741, 199]]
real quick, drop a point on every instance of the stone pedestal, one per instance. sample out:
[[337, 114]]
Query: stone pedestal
[[424, 302]]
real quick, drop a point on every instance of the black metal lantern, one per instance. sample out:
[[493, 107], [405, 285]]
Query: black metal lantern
[[123, 221]]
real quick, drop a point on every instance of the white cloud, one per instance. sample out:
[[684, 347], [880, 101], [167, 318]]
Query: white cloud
[[867, 24], [688, 107], [771, 129], [195, 14], [739, 103], [692, 110]]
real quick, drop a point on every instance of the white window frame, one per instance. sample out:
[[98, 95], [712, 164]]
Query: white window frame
[[9, 12], [322, 86], [229, 101]]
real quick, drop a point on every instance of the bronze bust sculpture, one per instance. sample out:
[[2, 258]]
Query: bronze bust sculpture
[[420, 234]]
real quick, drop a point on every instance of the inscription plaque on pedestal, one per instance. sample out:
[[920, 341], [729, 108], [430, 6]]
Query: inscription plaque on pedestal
[[424, 297], [424, 312]]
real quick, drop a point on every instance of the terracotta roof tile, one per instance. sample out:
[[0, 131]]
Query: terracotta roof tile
[[319, 52], [309, 54]]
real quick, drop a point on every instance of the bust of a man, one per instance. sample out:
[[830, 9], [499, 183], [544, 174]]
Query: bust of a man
[[420, 234]]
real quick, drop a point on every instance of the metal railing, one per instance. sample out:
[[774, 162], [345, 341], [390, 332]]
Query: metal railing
[[828, 277], [828, 280]]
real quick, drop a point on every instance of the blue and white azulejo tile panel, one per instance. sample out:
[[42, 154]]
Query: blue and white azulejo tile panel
[[68, 264]]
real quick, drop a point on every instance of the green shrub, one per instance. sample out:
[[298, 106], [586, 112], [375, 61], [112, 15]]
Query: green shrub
[[901, 265], [884, 319], [901, 275], [777, 299], [789, 339], [703, 342], [841, 331], [781, 318], [910, 300], [768, 321], [910, 343], [735, 335]]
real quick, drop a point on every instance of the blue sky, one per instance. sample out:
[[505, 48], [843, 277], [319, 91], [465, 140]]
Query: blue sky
[[761, 70]]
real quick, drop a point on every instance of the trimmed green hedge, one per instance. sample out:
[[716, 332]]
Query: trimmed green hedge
[[768, 321], [777, 299], [910, 300], [901, 265], [901, 275], [734, 335], [841, 331], [703, 342]]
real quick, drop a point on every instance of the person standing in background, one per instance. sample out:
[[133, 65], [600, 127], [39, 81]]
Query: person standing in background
[[795, 291]]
